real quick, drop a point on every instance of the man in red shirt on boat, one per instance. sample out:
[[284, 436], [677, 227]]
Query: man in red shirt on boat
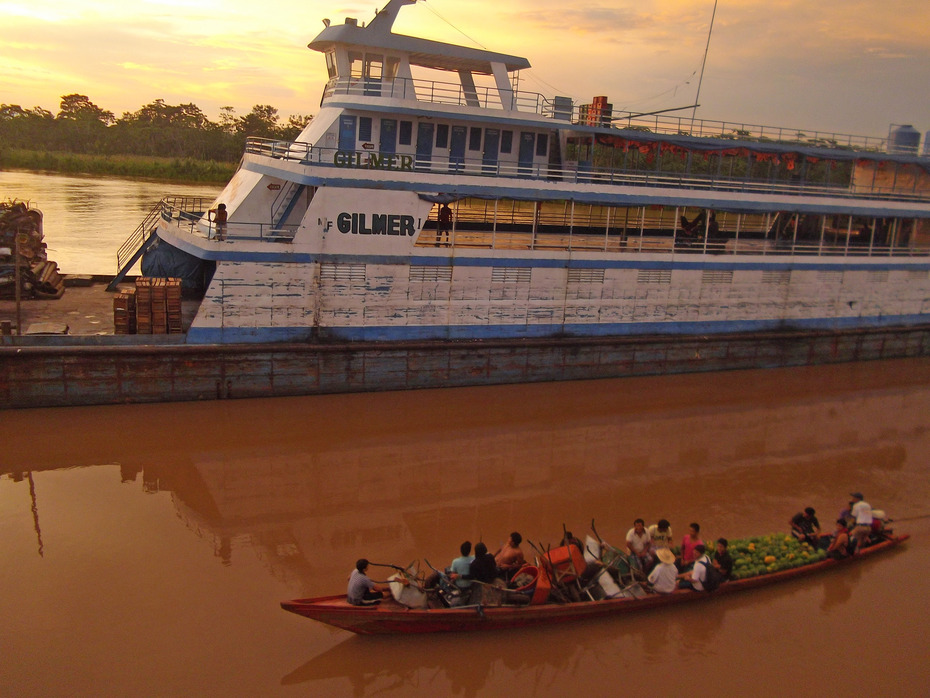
[[510, 558]]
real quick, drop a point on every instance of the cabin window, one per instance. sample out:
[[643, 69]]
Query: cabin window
[[506, 141], [542, 144], [355, 64], [331, 63], [442, 135], [364, 128], [373, 66], [474, 138], [390, 68], [405, 133]]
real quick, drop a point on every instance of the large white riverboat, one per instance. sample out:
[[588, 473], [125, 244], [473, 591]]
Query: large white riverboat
[[578, 242], [566, 220]]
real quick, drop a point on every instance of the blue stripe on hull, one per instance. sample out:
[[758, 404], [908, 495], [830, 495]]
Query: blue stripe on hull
[[229, 335]]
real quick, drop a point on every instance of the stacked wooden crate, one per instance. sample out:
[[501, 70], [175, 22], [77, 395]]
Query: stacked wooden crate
[[144, 305], [152, 307], [173, 305], [159, 314], [124, 312]]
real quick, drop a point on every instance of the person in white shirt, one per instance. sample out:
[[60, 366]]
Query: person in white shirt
[[862, 513], [694, 578], [638, 544], [664, 576]]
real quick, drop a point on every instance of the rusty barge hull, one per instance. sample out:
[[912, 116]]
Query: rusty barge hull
[[95, 374]]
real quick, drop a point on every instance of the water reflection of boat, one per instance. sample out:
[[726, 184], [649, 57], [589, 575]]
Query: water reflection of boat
[[390, 617]]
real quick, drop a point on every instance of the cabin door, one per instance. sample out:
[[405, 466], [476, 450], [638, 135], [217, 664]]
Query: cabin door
[[492, 146], [388, 136], [527, 151], [347, 129], [425, 145], [457, 148]]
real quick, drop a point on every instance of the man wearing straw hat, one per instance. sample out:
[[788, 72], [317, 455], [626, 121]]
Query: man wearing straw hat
[[664, 576]]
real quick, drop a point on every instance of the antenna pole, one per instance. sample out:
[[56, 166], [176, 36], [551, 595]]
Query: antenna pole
[[697, 97]]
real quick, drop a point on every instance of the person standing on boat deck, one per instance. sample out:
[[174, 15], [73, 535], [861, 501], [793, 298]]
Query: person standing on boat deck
[[694, 578], [363, 590], [638, 544], [689, 546], [461, 566], [664, 576], [862, 513], [805, 526], [445, 223], [219, 218], [723, 561], [509, 558]]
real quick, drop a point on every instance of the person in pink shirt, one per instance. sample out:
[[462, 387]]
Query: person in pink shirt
[[688, 544]]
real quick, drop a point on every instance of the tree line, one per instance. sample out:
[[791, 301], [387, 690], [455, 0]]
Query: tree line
[[156, 129]]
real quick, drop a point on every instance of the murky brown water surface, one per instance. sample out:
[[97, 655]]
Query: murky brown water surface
[[145, 549]]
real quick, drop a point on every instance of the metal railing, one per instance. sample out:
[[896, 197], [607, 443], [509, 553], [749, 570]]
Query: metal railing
[[565, 109], [307, 154]]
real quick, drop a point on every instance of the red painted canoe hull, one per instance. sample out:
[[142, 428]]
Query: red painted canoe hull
[[391, 618]]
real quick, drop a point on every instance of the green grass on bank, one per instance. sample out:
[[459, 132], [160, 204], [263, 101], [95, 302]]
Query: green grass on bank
[[150, 167]]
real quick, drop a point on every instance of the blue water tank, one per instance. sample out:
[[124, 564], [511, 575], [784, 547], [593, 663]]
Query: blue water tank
[[903, 138]]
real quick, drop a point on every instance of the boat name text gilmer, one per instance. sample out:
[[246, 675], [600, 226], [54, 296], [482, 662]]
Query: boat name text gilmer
[[373, 161], [381, 224]]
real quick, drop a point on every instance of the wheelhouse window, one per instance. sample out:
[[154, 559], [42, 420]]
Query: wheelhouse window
[[355, 64], [331, 64]]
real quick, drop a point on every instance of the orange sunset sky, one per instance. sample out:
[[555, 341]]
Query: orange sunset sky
[[850, 66]]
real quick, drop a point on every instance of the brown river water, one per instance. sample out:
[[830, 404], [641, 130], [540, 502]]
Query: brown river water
[[146, 548]]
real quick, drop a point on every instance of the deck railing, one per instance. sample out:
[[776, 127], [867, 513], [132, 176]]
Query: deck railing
[[308, 154], [565, 109], [641, 233]]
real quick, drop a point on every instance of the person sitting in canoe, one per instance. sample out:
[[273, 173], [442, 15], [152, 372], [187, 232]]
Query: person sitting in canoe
[[509, 557], [723, 561], [460, 568], [664, 576], [483, 568], [363, 590], [805, 526], [839, 544], [694, 578]]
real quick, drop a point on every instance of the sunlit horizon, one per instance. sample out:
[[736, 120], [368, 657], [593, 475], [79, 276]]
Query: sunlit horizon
[[838, 66]]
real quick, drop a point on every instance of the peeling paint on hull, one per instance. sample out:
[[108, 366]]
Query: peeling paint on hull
[[44, 376]]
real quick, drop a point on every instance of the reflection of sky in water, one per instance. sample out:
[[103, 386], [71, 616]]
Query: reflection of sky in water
[[218, 511], [85, 218]]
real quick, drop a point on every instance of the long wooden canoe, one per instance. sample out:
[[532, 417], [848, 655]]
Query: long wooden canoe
[[390, 617]]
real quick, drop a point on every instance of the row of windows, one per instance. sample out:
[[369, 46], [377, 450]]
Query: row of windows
[[539, 142]]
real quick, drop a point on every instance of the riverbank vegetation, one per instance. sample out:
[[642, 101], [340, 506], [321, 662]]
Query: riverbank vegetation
[[159, 140]]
